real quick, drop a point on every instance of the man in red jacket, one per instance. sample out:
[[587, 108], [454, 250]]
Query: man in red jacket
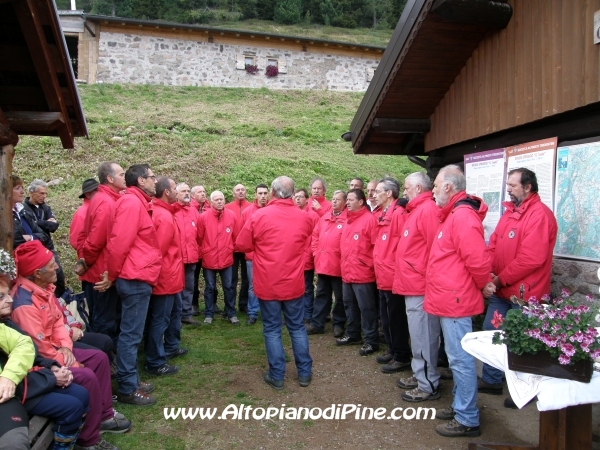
[[237, 206], [218, 229], [187, 220], [318, 202], [277, 235], [416, 237], [101, 296], [201, 204], [134, 264], [521, 249], [325, 246], [161, 310], [89, 188], [458, 269]]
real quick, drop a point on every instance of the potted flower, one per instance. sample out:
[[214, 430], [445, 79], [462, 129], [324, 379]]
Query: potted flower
[[555, 338], [272, 71], [252, 69]]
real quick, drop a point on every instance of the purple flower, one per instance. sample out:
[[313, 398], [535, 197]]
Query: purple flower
[[592, 331], [585, 347], [551, 313], [595, 353], [564, 293], [545, 298], [568, 349], [589, 298], [564, 360], [555, 327], [568, 308], [577, 337], [533, 300]]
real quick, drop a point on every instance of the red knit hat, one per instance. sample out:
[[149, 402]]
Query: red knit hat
[[30, 256]]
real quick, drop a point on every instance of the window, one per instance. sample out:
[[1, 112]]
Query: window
[[272, 62]]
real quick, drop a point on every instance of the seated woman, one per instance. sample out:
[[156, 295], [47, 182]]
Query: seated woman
[[35, 311], [46, 389]]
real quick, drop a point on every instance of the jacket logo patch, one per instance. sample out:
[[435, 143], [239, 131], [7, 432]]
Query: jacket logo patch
[[16, 419], [440, 235], [384, 237], [405, 233], [40, 336], [356, 237], [339, 226], [193, 223], [227, 230], [511, 234]]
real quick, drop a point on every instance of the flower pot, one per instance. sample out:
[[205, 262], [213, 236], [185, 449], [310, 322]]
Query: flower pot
[[542, 363]]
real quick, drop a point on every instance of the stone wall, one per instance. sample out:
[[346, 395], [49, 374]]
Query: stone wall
[[148, 59], [577, 277]]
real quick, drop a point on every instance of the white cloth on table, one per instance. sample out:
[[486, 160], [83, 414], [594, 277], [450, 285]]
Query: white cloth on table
[[552, 393]]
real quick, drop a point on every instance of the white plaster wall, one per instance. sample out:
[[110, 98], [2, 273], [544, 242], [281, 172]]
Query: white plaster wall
[[140, 59]]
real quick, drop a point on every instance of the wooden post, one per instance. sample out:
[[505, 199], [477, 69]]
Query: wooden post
[[8, 140]]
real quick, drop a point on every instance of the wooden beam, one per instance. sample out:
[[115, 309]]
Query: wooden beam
[[485, 13], [39, 49], [7, 135], [401, 125], [33, 122]]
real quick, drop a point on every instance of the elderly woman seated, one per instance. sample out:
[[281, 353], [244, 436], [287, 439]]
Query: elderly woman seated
[[36, 312], [46, 389]]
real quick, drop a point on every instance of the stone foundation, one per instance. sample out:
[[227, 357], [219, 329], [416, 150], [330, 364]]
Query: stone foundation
[[578, 277]]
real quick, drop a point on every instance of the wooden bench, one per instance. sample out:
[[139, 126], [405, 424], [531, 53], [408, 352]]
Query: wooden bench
[[40, 432]]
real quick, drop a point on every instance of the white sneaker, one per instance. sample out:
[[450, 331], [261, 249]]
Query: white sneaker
[[208, 320]]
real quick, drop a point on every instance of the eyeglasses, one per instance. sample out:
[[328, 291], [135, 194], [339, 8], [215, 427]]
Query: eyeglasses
[[379, 191]]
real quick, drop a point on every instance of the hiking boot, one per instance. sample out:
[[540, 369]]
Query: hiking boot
[[304, 381], [306, 321], [116, 424], [455, 429], [165, 369], [100, 445], [177, 353], [395, 366], [145, 387], [338, 331], [235, 321], [312, 330], [385, 358], [251, 320], [407, 383], [190, 321], [347, 340], [275, 384], [416, 395], [137, 398], [445, 373], [367, 349], [445, 414], [487, 388], [208, 320]]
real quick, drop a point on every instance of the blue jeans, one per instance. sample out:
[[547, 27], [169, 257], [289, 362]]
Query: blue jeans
[[491, 374], [210, 276], [65, 406], [173, 332], [309, 293], [252, 299], [135, 298], [464, 370], [159, 315], [293, 311], [187, 294]]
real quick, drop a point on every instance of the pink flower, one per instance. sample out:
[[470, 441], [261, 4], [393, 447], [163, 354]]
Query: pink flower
[[568, 349], [551, 313], [545, 298], [533, 300], [595, 353], [577, 337], [564, 360], [589, 298], [585, 347], [564, 293], [497, 320]]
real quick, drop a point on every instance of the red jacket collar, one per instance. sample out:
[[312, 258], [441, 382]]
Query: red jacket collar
[[419, 200], [353, 215], [531, 200], [107, 190], [162, 204], [444, 211]]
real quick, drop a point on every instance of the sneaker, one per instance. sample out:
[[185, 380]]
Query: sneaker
[[487, 388], [445, 414], [347, 340], [416, 395], [251, 320], [177, 353], [138, 398], [165, 369], [395, 366], [235, 321], [304, 381], [116, 424], [190, 321], [455, 429], [367, 349], [385, 358], [275, 384], [208, 320], [312, 330], [445, 373], [407, 383], [338, 331], [100, 445], [145, 387]]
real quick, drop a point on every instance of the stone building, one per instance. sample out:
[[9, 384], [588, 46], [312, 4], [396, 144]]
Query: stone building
[[115, 50]]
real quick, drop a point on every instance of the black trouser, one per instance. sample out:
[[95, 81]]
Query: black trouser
[[96, 341], [104, 310], [60, 277], [239, 261], [196, 294], [327, 285], [392, 311], [13, 425], [360, 303]]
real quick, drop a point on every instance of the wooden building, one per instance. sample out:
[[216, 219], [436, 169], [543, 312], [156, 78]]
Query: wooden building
[[38, 94]]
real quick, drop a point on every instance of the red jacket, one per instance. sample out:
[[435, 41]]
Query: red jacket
[[76, 230], [35, 311], [237, 207], [96, 231], [133, 251], [521, 248], [384, 250], [325, 205], [459, 264], [218, 231], [201, 209], [416, 236], [245, 217], [356, 247], [277, 234], [187, 218], [309, 261], [325, 244], [171, 277]]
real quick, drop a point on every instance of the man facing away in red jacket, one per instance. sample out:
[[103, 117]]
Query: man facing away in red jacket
[[277, 235]]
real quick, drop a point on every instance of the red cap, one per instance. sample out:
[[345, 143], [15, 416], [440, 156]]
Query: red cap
[[30, 256]]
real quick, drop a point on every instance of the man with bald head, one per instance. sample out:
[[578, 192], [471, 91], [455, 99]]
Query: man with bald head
[[278, 235], [371, 195], [237, 206]]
